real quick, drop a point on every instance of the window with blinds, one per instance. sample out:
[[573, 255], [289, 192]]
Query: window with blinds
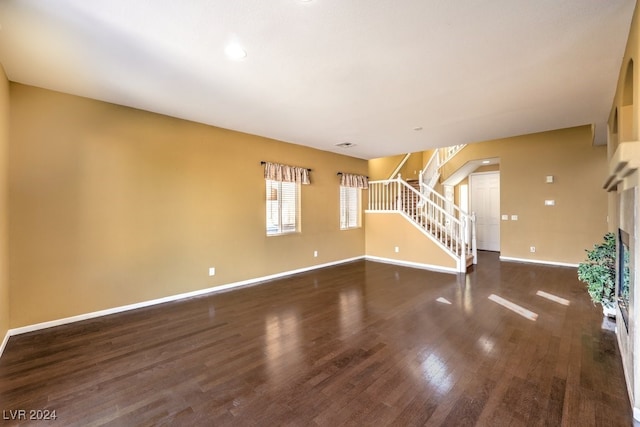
[[349, 207], [283, 210]]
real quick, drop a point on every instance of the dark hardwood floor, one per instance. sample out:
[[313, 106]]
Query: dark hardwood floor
[[358, 344]]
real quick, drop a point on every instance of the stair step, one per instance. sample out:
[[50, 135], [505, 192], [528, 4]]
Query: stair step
[[469, 260]]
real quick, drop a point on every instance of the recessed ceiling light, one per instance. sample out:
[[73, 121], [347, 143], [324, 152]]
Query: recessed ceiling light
[[346, 145], [235, 51]]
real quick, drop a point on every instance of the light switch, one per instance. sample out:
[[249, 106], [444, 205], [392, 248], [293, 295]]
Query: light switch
[[549, 179], [549, 202], [505, 217]]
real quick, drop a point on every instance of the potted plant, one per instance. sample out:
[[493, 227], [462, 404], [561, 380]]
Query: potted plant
[[599, 273]]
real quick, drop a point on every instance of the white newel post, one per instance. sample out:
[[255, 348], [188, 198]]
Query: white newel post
[[474, 246]]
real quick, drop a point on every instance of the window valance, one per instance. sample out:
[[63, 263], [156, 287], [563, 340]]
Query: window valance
[[351, 180], [285, 173]]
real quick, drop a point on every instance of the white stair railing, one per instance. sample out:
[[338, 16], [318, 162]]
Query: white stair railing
[[447, 153], [436, 199], [431, 172], [448, 231]]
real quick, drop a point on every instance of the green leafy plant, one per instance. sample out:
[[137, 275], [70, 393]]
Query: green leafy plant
[[599, 272]]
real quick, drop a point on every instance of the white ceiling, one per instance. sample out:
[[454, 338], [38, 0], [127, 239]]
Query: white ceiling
[[323, 72]]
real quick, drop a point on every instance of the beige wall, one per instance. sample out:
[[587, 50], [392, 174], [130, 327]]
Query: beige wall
[[383, 167], [385, 231], [4, 143], [111, 206], [413, 166], [578, 220]]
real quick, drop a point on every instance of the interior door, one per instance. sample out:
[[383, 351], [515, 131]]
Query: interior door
[[485, 203]]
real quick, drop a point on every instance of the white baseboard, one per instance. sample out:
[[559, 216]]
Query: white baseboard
[[4, 343], [92, 315], [537, 261], [431, 267]]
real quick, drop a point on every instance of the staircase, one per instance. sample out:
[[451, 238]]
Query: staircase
[[445, 229], [431, 172]]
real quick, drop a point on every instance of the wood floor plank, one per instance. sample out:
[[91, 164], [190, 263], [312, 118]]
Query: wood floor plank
[[361, 343]]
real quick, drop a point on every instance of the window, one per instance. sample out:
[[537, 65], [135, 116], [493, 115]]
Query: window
[[282, 207], [349, 207]]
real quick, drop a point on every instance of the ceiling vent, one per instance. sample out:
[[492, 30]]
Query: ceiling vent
[[346, 145]]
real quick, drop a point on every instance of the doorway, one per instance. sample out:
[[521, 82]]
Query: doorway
[[485, 203]]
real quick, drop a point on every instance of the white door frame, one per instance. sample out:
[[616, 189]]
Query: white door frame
[[463, 202]]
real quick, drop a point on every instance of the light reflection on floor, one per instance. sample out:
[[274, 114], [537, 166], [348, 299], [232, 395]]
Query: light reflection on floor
[[435, 371], [553, 298], [486, 344], [463, 294], [443, 300], [514, 307], [351, 306], [282, 347]]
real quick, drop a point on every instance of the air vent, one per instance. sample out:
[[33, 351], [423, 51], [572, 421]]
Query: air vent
[[346, 145]]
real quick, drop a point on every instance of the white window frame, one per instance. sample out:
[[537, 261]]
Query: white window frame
[[282, 208], [350, 208]]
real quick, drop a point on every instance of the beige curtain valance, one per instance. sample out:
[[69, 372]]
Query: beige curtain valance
[[356, 181], [285, 173]]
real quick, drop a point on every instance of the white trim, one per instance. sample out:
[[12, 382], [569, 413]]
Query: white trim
[[86, 316], [431, 267], [4, 343], [636, 411], [537, 261]]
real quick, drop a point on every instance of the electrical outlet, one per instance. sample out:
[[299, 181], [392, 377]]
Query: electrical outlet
[[532, 249], [315, 254], [396, 249], [212, 271], [514, 217]]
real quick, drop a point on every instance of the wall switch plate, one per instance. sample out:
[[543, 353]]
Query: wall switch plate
[[532, 249], [549, 202], [315, 254], [396, 249], [505, 217], [212, 271], [514, 217], [549, 179]]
